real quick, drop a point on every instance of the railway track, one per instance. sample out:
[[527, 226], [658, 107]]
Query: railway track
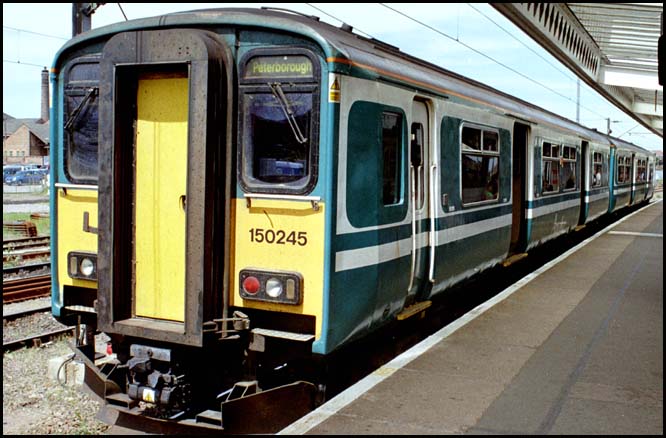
[[27, 288], [25, 243], [26, 248], [36, 340], [26, 270]]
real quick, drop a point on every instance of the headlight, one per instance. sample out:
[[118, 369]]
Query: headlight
[[87, 267], [82, 265], [273, 287]]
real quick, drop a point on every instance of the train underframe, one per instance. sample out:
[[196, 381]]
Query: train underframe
[[249, 381]]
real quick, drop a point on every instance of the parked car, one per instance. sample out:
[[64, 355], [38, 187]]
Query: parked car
[[33, 176], [10, 170]]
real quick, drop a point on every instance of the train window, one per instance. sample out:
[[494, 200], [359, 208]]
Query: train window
[[623, 169], [480, 165], [391, 140], [279, 139], [640, 171], [377, 164], [598, 174], [569, 168], [490, 141], [471, 139], [417, 163], [278, 129], [550, 168], [81, 120]]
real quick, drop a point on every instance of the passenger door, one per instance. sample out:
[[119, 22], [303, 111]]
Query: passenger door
[[420, 171]]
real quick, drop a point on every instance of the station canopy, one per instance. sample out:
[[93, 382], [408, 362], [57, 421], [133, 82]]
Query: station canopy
[[613, 47]]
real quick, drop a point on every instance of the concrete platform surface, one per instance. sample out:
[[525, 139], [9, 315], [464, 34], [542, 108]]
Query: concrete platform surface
[[574, 348]]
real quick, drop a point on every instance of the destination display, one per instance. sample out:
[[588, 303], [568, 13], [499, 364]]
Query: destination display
[[266, 67]]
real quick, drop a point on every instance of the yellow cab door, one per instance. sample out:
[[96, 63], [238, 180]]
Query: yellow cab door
[[161, 186]]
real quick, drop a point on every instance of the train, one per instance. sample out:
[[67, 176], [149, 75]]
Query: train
[[236, 192]]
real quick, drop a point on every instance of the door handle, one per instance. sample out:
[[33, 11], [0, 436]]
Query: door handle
[[412, 177], [86, 224], [432, 238]]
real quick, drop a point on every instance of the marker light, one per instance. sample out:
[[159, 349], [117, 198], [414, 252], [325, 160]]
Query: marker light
[[273, 287], [82, 265], [251, 285]]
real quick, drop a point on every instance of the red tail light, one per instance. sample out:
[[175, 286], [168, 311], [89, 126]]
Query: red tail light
[[251, 285]]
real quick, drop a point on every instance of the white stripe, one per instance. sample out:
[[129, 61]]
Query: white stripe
[[372, 255], [596, 197], [630, 233], [472, 229], [352, 393], [551, 208]]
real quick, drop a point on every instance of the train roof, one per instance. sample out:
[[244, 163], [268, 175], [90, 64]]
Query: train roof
[[352, 53]]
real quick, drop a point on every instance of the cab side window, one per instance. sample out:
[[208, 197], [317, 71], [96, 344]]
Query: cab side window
[[81, 120]]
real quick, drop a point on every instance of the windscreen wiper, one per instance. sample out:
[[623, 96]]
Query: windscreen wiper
[[75, 114], [276, 88]]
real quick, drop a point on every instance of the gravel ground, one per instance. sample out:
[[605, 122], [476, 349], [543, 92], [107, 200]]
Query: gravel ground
[[33, 403], [42, 207]]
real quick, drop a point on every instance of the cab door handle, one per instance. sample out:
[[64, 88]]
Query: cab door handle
[[86, 224]]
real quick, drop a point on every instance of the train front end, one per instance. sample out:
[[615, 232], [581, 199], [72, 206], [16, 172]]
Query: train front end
[[203, 220]]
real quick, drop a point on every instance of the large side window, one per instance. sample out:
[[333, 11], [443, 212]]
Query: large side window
[[279, 111], [80, 120], [376, 164], [480, 165], [550, 168]]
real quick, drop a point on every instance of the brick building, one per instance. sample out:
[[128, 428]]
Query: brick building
[[26, 141]]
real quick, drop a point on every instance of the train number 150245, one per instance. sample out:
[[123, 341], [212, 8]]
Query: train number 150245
[[278, 237]]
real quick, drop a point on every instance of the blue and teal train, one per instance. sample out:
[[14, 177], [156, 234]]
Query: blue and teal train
[[238, 189]]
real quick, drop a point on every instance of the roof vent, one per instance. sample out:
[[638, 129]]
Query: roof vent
[[346, 27]]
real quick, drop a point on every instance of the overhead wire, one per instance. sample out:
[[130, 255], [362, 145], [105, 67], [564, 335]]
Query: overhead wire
[[35, 33], [18, 61], [335, 18], [534, 51], [486, 56], [521, 42], [23, 63]]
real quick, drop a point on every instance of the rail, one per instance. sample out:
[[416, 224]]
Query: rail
[[28, 288], [26, 248], [36, 340]]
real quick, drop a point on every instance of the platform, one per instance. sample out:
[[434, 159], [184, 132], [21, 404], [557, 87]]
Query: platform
[[574, 348]]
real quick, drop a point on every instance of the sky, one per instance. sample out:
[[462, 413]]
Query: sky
[[471, 39]]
